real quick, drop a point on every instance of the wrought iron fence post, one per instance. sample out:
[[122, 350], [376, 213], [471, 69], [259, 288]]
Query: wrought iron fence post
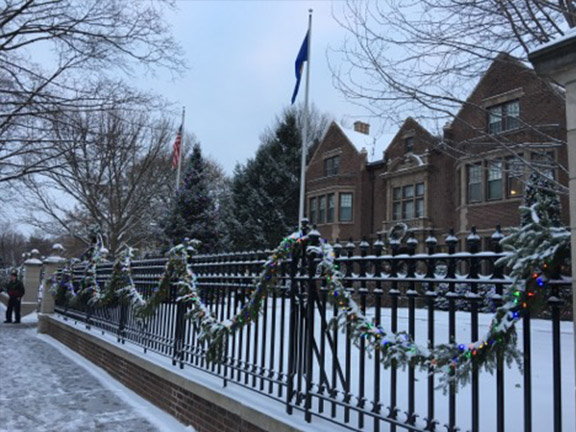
[[431, 295], [451, 242], [412, 294], [394, 293], [555, 303], [310, 263], [88, 315], [349, 285], [294, 319], [376, 404], [122, 322], [473, 241], [178, 347], [498, 273]]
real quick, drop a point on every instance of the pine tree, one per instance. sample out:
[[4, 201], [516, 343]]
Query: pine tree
[[193, 214], [541, 241], [265, 191], [540, 190]]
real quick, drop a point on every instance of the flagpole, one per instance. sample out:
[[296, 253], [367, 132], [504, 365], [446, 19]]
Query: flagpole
[[305, 128], [181, 149]]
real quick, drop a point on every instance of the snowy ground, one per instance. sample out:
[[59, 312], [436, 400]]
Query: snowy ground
[[45, 386]]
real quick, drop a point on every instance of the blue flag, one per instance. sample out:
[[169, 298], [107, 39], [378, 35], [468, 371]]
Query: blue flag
[[302, 57]]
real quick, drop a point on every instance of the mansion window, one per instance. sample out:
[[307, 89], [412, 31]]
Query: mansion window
[[409, 145], [321, 209], [544, 163], [504, 117], [515, 175], [474, 183], [331, 207], [312, 211], [408, 201], [494, 180], [331, 166], [345, 210]]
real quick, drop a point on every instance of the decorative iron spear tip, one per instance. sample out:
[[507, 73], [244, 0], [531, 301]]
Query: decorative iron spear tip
[[350, 246], [431, 240], [451, 239], [497, 234]]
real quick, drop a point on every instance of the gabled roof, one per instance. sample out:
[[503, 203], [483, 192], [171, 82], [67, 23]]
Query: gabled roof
[[411, 124], [373, 146], [502, 57]]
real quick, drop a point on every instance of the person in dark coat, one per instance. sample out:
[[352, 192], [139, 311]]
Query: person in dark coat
[[15, 290]]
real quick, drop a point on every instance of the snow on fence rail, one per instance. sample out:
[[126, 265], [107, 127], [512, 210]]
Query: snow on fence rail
[[293, 355]]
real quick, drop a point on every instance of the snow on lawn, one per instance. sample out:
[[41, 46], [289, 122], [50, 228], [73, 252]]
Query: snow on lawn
[[542, 380]]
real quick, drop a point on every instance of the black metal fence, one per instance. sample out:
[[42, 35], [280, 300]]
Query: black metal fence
[[293, 355]]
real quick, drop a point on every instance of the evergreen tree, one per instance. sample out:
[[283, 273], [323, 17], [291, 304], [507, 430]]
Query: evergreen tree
[[540, 190], [265, 191], [194, 214], [541, 243]]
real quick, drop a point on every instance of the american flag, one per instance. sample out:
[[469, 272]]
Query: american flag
[[177, 148]]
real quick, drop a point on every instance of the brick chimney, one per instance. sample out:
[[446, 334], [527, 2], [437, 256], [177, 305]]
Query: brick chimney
[[362, 127]]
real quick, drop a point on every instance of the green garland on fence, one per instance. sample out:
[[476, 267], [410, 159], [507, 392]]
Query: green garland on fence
[[212, 331], [452, 362], [89, 292]]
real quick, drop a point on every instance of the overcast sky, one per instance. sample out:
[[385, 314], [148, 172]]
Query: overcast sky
[[241, 69], [241, 58]]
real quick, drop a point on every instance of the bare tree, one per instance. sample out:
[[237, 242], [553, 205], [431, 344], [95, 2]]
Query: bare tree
[[422, 58], [113, 171], [12, 245], [61, 56]]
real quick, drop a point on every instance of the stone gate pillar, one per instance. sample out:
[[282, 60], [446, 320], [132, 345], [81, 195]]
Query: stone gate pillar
[[557, 60], [31, 280], [51, 265]]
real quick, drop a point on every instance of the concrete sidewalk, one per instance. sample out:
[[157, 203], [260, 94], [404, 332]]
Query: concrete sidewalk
[[46, 387]]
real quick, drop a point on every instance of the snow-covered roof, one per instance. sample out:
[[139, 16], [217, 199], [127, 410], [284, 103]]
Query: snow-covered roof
[[374, 146], [568, 35]]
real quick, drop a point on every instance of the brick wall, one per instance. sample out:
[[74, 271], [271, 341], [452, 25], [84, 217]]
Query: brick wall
[[542, 122], [164, 388], [351, 178]]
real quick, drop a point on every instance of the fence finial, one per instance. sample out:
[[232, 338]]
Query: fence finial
[[378, 245], [350, 246], [431, 242], [451, 241], [473, 240]]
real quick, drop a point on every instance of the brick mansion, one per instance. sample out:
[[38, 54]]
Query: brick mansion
[[471, 176]]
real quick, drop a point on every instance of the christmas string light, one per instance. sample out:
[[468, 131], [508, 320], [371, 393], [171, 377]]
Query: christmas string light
[[451, 362]]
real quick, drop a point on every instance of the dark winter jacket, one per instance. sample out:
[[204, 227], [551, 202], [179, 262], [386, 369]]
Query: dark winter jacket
[[15, 288]]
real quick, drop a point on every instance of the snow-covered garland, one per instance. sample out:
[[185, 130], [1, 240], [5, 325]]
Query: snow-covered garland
[[534, 253], [212, 331], [90, 292]]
